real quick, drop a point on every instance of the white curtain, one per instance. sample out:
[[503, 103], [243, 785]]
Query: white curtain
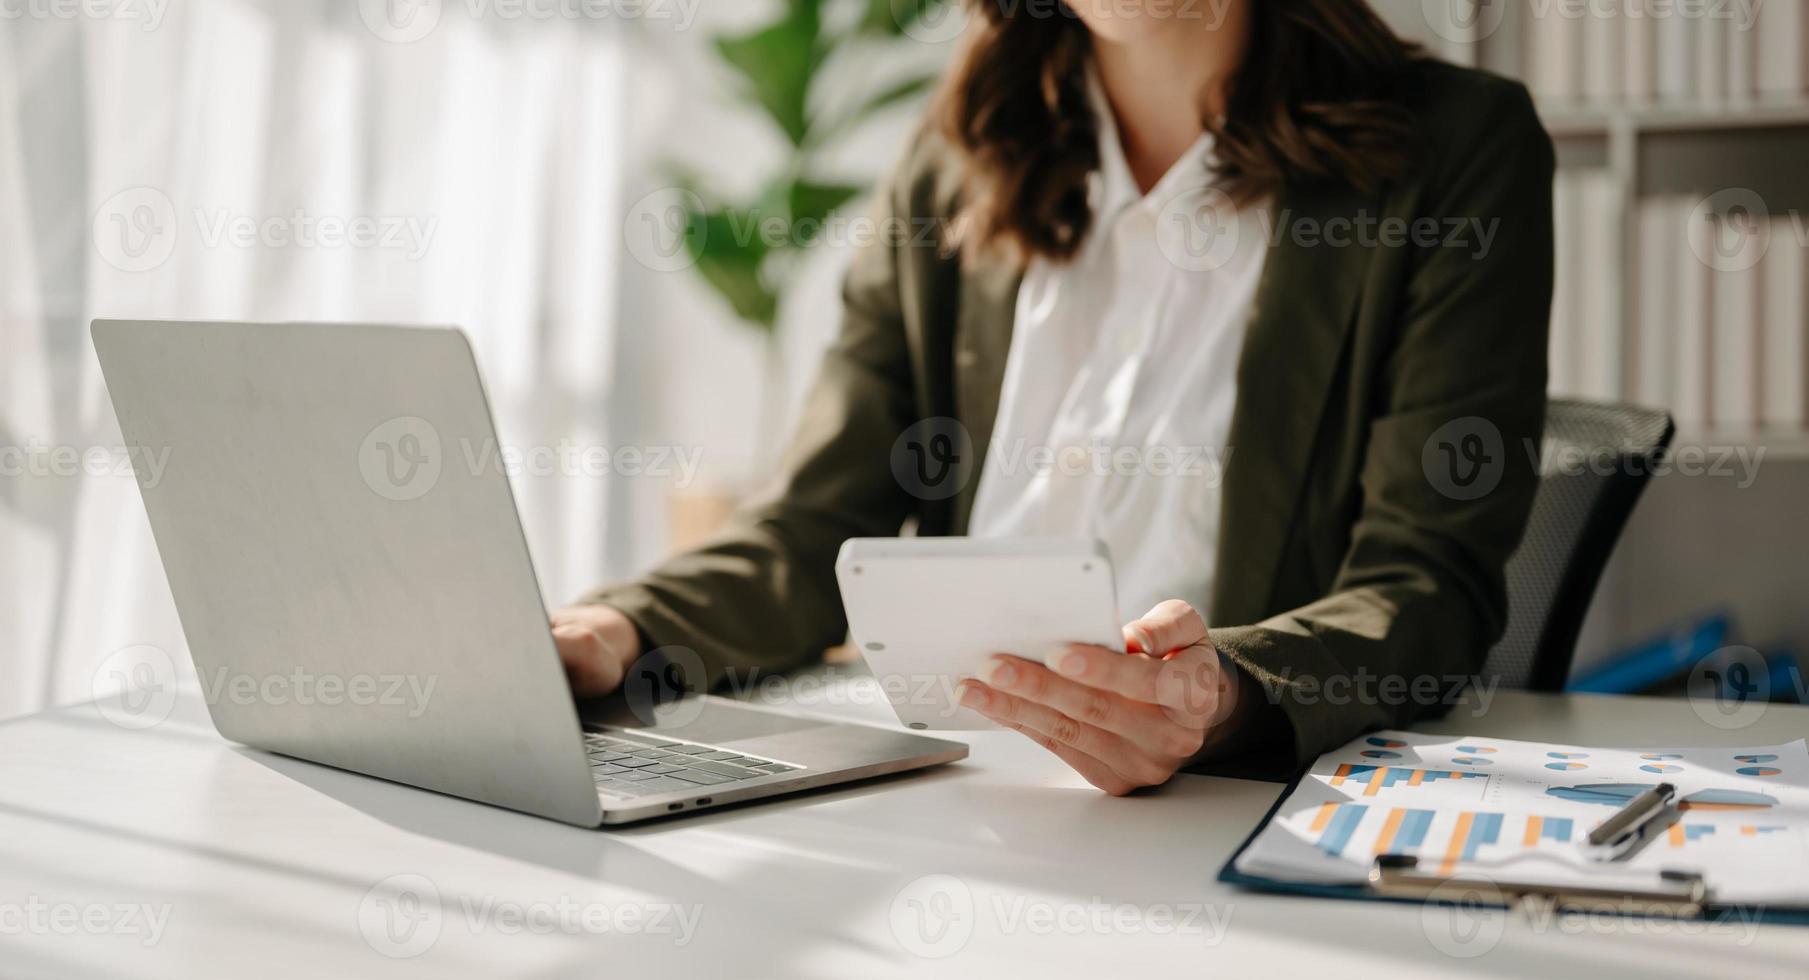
[[195, 167]]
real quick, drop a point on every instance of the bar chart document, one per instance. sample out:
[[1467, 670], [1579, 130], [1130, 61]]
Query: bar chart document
[[1521, 810]]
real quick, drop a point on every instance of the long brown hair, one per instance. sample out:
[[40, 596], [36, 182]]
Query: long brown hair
[[1316, 99]]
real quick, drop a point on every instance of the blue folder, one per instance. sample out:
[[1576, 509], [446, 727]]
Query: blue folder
[[1648, 664]]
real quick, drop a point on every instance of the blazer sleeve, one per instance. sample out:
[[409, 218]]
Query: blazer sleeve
[[1420, 595], [763, 595]]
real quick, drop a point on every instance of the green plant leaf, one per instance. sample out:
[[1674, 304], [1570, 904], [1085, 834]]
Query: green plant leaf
[[812, 203], [731, 258], [778, 63]]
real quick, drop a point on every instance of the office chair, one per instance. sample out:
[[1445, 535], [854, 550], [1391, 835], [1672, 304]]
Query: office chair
[[1577, 517]]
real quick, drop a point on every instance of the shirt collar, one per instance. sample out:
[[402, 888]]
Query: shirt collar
[[1114, 189]]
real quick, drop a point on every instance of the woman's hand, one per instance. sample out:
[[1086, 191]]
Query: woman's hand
[[1122, 720], [596, 645]]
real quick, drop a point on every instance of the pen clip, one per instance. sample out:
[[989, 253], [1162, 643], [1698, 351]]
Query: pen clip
[[1616, 836]]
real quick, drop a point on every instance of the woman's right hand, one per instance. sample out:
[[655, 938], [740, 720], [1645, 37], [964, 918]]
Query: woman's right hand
[[596, 645]]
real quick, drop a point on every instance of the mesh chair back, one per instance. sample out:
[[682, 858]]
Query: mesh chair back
[[1577, 518]]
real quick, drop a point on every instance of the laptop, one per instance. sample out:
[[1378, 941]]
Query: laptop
[[352, 578]]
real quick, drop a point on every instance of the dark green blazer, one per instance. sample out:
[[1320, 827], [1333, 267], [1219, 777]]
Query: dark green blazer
[[1356, 579]]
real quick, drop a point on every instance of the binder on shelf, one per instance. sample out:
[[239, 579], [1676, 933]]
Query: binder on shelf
[[1503, 51], [1742, 60], [1639, 56], [1654, 319], [1598, 326], [1554, 56], [1734, 349], [1676, 58], [1695, 313], [1784, 383], [1602, 42], [1782, 46], [1565, 357], [1710, 36]]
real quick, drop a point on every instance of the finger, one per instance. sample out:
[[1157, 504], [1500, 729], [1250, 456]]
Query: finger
[[1142, 723], [588, 668], [1171, 625], [1115, 751], [1186, 684]]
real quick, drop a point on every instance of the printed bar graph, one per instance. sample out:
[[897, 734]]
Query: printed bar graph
[[1472, 831], [1335, 823], [1680, 834], [1377, 778], [1546, 828], [1727, 799], [1404, 831], [1617, 794]]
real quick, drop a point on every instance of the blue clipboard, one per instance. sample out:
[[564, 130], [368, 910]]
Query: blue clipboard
[[1712, 913]]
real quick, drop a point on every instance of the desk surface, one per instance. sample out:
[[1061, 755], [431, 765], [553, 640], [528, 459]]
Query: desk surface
[[169, 852]]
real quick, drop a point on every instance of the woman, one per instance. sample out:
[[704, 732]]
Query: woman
[[1264, 229]]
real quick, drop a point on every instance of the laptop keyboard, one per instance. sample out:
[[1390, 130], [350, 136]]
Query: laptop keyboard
[[630, 764]]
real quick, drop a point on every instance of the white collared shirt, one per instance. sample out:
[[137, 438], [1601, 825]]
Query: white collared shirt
[[1121, 379]]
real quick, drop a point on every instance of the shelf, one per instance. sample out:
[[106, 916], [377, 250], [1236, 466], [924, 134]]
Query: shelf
[[1690, 149], [1572, 120], [1779, 444]]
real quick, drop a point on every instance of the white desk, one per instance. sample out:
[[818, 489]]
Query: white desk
[[255, 867]]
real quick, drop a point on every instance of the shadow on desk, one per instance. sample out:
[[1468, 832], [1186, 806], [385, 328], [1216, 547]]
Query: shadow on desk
[[552, 845]]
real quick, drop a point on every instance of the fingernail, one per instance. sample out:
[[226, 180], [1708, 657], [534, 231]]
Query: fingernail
[[999, 673], [1068, 663], [972, 696]]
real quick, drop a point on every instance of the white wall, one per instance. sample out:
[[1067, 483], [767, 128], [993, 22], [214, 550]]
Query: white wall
[[1750, 559]]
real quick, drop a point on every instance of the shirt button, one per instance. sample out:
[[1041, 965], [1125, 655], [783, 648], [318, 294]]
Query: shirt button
[[966, 357]]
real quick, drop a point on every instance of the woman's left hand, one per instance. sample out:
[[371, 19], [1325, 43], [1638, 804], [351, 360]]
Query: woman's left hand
[[1122, 720]]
